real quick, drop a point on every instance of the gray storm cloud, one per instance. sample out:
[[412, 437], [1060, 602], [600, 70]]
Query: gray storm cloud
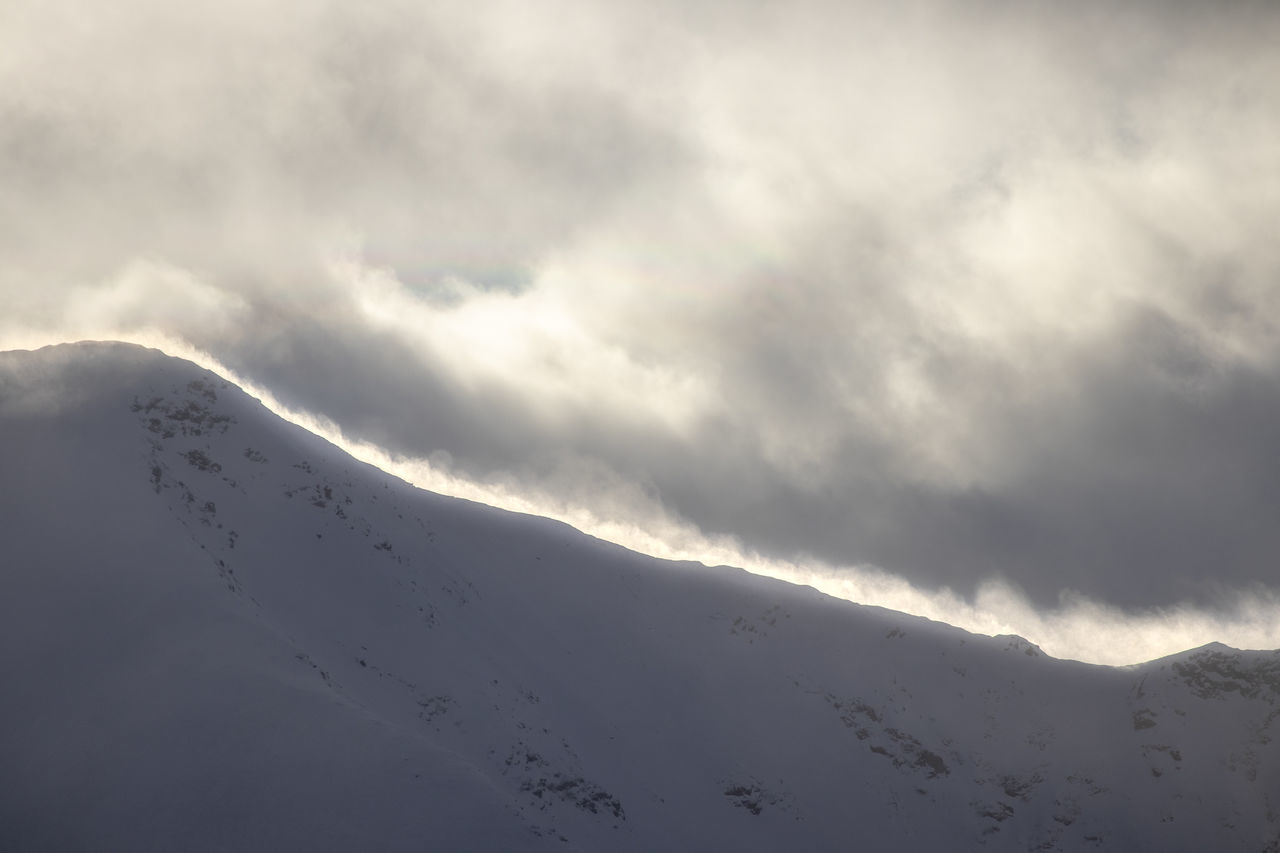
[[967, 291]]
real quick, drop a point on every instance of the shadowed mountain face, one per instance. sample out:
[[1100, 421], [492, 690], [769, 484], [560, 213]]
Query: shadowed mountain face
[[218, 632]]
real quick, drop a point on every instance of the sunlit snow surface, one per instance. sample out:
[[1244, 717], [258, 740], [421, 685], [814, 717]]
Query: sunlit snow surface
[[220, 632]]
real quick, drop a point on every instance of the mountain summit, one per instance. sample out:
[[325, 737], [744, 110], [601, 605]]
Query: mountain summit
[[219, 632]]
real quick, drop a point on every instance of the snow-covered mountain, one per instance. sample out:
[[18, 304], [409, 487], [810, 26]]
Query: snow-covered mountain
[[219, 632]]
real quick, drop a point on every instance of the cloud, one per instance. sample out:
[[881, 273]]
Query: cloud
[[982, 297]]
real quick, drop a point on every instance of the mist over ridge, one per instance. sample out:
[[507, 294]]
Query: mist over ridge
[[1079, 629]]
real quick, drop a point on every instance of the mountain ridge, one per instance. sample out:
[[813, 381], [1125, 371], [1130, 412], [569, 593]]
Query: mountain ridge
[[226, 632]]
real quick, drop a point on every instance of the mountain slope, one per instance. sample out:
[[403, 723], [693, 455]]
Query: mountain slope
[[218, 631]]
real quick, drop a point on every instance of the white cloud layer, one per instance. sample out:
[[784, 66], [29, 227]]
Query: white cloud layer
[[984, 294]]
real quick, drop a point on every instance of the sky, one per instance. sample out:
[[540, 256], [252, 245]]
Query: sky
[[964, 308]]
